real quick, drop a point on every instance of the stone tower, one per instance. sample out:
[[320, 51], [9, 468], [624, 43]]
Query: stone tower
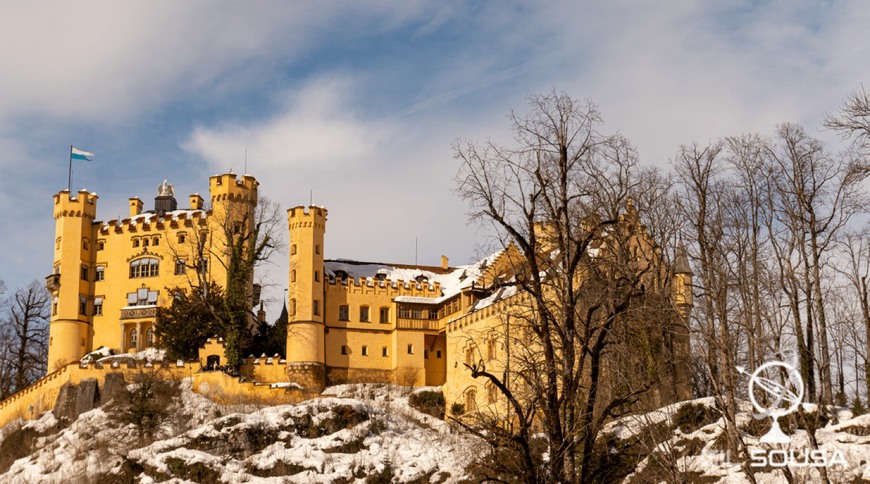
[[305, 329], [70, 331], [683, 302]]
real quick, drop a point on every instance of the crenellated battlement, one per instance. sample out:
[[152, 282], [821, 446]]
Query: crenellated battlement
[[147, 222], [83, 204], [301, 216], [394, 288], [229, 187]]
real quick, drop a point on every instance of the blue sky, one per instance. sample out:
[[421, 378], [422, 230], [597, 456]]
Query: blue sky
[[360, 101]]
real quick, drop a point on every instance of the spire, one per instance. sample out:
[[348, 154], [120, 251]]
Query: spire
[[681, 260]]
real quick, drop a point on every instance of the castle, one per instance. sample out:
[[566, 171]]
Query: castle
[[349, 321]]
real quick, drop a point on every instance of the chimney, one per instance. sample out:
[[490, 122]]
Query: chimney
[[444, 262], [135, 206], [196, 202]]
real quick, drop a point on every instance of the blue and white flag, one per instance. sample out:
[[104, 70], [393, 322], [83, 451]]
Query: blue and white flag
[[77, 154]]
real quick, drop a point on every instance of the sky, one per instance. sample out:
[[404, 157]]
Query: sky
[[356, 104]]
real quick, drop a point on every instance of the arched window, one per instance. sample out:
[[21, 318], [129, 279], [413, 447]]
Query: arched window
[[145, 267], [134, 339], [471, 400], [149, 338]]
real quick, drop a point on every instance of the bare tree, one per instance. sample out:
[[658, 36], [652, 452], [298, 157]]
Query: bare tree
[[25, 331], [817, 194], [242, 234], [853, 121], [583, 269]]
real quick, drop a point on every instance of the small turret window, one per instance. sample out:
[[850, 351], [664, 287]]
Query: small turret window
[[181, 237], [317, 248], [57, 243], [135, 242], [292, 249]]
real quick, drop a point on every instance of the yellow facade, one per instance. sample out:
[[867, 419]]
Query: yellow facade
[[110, 277], [349, 321]]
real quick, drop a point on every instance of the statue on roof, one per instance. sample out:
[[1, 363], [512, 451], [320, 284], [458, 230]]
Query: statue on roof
[[165, 189]]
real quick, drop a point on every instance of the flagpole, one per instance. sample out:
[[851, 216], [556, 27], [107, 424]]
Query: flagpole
[[69, 180]]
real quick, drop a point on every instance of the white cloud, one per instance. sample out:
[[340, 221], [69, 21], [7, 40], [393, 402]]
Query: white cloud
[[315, 130]]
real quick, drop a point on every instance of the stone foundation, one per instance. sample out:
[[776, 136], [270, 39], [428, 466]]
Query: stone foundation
[[311, 376], [339, 376]]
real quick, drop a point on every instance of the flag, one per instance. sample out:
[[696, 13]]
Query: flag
[[77, 154]]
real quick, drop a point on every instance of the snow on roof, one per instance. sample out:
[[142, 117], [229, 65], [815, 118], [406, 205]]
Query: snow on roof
[[452, 282]]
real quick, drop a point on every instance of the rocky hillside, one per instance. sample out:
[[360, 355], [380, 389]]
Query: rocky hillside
[[362, 433]]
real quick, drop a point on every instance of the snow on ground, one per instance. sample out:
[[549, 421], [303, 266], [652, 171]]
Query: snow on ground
[[357, 432], [699, 453]]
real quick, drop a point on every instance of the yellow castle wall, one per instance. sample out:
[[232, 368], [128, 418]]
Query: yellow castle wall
[[113, 245]]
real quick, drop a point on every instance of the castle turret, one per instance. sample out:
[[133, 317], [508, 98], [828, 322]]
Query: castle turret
[[305, 332], [71, 282], [682, 281], [682, 289]]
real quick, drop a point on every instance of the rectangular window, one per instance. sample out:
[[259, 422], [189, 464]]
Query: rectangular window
[[145, 242], [100, 273], [54, 306], [343, 312], [98, 306], [315, 307], [316, 276], [180, 266], [156, 242], [181, 238], [83, 305], [293, 275], [364, 314], [433, 314], [385, 315], [365, 350], [438, 354], [293, 249], [417, 313], [410, 349], [101, 245], [425, 354], [203, 265], [135, 242], [343, 349], [404, 313], [385, 352], [84, 273], [316, 248], [292, 308]]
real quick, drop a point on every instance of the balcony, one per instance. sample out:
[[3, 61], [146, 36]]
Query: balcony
[[52, 283], [138, 312], [419, 324]]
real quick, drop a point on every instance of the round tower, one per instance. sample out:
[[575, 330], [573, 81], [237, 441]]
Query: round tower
[[70, 284], [305, 330]]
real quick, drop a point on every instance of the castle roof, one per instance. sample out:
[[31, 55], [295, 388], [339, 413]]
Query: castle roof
[[452, 280]]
